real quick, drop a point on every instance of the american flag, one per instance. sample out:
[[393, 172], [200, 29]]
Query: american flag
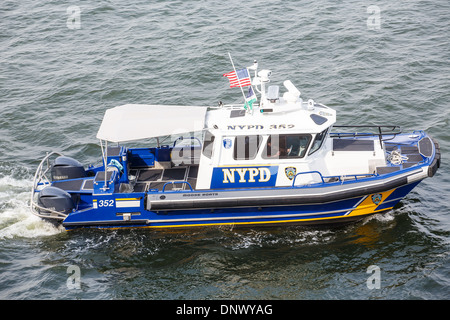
[[239, 78]]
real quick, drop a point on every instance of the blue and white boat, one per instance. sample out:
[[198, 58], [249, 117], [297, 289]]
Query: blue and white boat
[[276, 160]]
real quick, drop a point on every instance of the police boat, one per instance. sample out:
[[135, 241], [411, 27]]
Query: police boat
[[275, 160]]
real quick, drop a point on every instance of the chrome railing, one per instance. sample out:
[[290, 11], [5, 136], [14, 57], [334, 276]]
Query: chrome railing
[[40, 181], [384, 132]]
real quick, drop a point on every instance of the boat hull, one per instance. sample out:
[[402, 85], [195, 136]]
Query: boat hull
[[334, 200], [324, 213]]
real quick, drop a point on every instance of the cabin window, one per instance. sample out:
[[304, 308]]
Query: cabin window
[[286, 146], [246, 147], [320, 137], [208, 144]]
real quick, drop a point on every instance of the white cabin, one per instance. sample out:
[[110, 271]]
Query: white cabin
[[283, 141], [270, 145]]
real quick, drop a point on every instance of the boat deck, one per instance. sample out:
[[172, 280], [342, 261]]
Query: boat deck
[[168, 179], [145, 177]]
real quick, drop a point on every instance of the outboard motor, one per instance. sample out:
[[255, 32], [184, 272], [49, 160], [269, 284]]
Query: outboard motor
[[67, 168], [55, 199]]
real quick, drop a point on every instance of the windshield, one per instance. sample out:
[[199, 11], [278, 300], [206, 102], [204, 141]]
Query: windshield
[[286, 146]]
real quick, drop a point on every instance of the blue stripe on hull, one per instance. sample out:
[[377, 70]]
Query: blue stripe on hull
[[281, 214], [300, 214], [397, 196]]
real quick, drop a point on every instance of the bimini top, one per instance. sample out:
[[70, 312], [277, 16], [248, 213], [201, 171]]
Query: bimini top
[[132, 122]]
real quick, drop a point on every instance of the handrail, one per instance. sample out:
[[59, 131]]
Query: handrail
[[340, 178], [307, 172], [41, 179], [379, 134], [173, 182], [182, 138]]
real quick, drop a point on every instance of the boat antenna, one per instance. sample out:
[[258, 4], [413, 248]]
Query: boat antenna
[[242, 90]]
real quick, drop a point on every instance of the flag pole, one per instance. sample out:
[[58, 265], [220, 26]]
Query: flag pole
[[239, 81]]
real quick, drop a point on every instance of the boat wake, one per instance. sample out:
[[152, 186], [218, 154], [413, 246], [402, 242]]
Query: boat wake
[[276, 237], [15, 218], [385, 217]]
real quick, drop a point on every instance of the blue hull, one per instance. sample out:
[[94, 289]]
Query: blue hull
[[337, 212]]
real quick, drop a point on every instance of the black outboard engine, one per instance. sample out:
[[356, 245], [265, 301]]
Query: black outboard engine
[[55, 199], [67, 168]]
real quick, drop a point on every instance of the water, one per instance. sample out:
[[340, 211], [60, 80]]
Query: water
[[56, 81]]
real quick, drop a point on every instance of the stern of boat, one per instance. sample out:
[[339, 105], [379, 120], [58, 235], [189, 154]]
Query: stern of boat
[[42, 195]]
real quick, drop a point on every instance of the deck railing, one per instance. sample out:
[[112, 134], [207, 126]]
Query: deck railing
[[330, 179], [390, 131], [40, 181]]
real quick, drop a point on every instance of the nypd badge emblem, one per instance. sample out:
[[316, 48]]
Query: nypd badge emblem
[[227, 143], [290, 172], [376, 198]]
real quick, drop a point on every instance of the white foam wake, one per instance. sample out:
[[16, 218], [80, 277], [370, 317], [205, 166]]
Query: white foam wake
[[16, 219]]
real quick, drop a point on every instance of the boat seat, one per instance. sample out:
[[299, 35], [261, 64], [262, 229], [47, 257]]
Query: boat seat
[[387, 169], [353, 145], [426, 147], [148, 179], [140, 187], [193, 172], [409, 149], [413, 157], [390, 148], [73, 185], [150, 175], [88, 184], [100, 176], [174, 174]]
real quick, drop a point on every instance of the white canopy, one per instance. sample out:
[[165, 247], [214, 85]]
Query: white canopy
[[132, 122]]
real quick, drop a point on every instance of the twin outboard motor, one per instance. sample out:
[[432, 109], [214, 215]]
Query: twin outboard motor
[[67, 168], [55, 199]]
